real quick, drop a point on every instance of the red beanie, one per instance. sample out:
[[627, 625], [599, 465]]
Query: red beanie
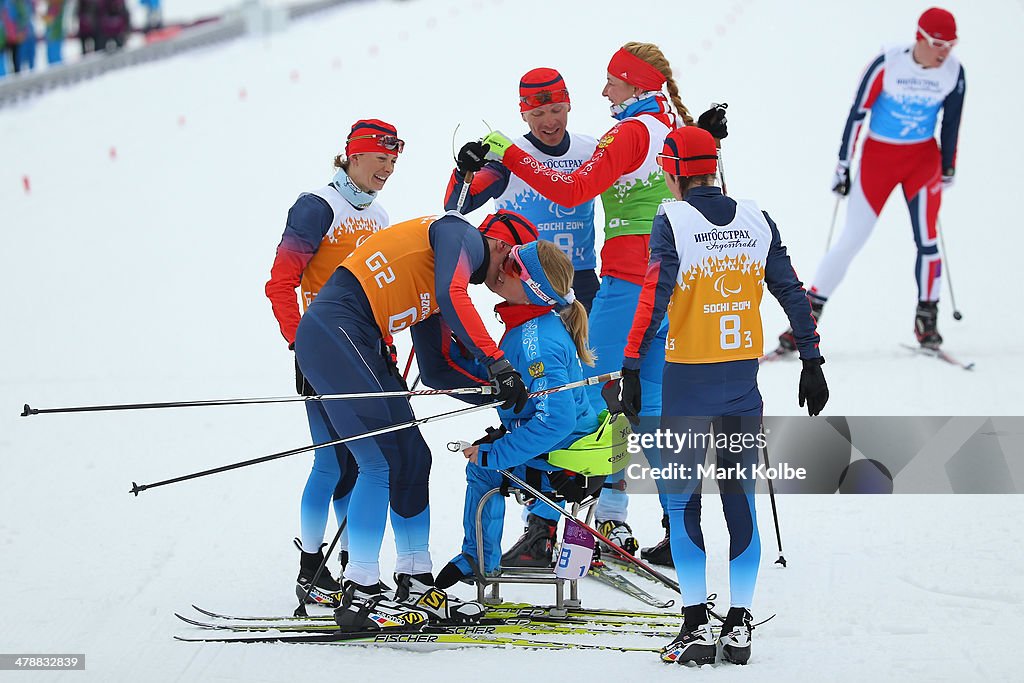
[[373, 136], [509, 227], [541, 86], [689, 151], [627, 67], [938, 23]]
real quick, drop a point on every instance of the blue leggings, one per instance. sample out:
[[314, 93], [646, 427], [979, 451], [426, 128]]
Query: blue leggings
[[338, 349], [698, 397], [331, 479], [613, 308]]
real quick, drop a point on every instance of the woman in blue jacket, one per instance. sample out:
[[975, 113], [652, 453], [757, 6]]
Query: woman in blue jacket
[[545, 340]]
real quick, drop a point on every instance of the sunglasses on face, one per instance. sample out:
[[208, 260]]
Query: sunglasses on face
[[545, 97], [935, 42], [512, 266], [389, 142]]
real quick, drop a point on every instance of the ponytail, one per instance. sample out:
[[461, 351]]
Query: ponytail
[[559, 271], [574, 317]]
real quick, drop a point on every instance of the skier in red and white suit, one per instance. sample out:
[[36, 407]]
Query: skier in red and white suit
[[903, 89]]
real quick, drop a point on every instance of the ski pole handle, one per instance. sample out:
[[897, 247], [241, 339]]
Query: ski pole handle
[[467, 181]]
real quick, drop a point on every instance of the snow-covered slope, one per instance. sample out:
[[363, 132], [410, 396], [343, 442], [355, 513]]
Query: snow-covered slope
[[133, 270]]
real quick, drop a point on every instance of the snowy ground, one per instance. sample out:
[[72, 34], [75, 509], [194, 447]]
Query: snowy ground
[[133, 270]]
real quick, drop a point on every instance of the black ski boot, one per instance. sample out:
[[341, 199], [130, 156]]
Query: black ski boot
[[661, 553], [695, 642], [368, 608], [735, 636], [618, 533], [926, 324], [326, 591], [419, 592], [534, 547], [787, 341]]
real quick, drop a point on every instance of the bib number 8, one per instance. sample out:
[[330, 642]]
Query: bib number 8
[[563, 241], [729, 326], [731, 333]]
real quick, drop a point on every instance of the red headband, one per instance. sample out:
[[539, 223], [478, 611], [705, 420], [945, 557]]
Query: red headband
[[628, 67]]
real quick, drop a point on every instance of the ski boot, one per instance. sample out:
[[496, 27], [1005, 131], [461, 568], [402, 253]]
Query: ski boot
[[326, 591], [695, 642], [369, 608], [926, 324], [661, 553], [618, 533], [735, 636], [534, 548], [787, 341], [418, 591]]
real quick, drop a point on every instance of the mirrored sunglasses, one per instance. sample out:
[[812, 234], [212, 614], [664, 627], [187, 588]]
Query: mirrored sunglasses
[[935, 42], [512, 265], [389, 142], [543, 97]]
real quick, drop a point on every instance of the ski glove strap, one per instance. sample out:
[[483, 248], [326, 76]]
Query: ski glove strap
[[472, 157], [632, 395], [511, 390], [497, 144], [714, 121]]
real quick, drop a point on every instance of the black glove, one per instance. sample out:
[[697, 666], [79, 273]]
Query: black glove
[[493, 434], [390, 355], [841, 180], [714, 122], [813, 388], [471, 157], [302, 387], [632, 395], [511, 390]]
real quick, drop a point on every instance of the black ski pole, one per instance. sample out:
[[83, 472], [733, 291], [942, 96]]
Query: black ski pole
[[957, 315], [483, 389], [832, 227], [139, 488], [771, 494], [598, 379], [300, 611]]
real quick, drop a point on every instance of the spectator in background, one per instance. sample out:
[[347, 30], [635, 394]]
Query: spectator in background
[[88, 20], [114, 25], [16, 15], [3, 45], [55, 31], [154, 15]]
